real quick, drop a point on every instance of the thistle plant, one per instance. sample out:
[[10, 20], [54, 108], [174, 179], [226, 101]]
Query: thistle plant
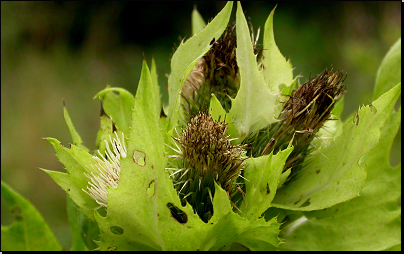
[[244, 157]]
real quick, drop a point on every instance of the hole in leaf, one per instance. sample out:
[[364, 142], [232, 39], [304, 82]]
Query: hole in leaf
[[102, 211], [102, 113], [162, 114], [307, 203], [139, 158], [17, 213], [116, 93], [116, 230], [150, 190], [355, 119], [372, 109], [177, 214]]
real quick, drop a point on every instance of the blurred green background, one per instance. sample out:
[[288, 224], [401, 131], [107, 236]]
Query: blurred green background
[[72, 50]]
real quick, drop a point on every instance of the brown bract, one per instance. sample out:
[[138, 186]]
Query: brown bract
[[306, 111]]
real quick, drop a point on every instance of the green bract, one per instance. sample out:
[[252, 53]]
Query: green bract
[[346, 196]]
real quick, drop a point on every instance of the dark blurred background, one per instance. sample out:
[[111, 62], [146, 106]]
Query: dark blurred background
[[72, 50]]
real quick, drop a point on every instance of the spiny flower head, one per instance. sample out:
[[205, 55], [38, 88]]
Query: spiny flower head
[[206, 156], [306, 111], [106, 170]]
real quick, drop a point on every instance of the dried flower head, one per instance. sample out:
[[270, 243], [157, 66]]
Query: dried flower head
[[105, 170], [205, 156]]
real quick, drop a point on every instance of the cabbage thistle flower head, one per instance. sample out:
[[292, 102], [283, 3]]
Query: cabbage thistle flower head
[[105, 170], [206, 155], [304, 114]]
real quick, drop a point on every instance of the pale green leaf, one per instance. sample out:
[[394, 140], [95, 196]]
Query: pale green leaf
[[261, 235], [78, 243], [254, 106], [197, 21], [284, 176], [75, 135], [334, 175], [133, 206], [77, 162], [277, 71], [394, 248], [117, 103], [227, 227], [331, 129], [217, 111], [105, 131], [338, 107], [186, 56], [371, 221], [153, 73], [29, 231], [263, 176], [389, 73]]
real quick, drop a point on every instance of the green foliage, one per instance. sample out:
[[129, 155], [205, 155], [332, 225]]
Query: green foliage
[[75, 136], [118, 104], [186, 56], [77, 162], [143, 215], [254, 106], [335, 174], [29, 231], [197, 22], [336, 201], [217, 111], [371, 221], [263, 174], [76, 219], [389, 73], [277, 71]]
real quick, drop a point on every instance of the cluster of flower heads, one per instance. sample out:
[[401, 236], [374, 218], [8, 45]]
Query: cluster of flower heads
[[204, 152], [105, 170]]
